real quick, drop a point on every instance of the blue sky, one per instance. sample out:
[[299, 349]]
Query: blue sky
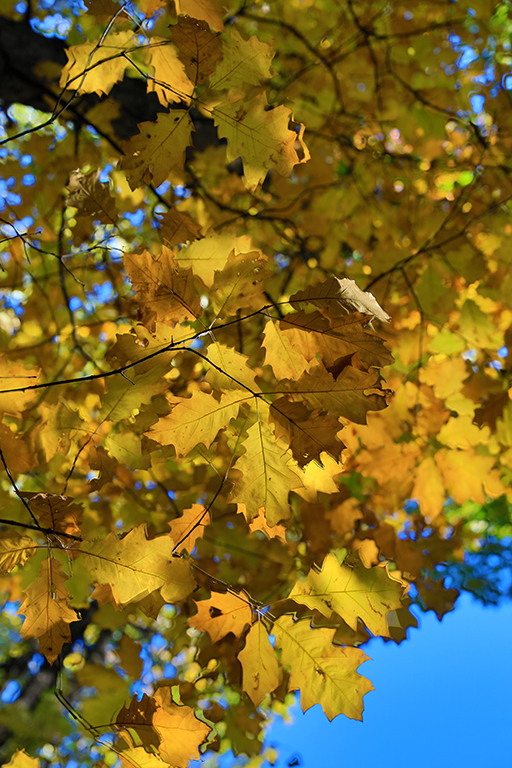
[[442, 700]]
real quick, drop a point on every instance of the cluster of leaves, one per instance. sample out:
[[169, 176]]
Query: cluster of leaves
[[196, 439]]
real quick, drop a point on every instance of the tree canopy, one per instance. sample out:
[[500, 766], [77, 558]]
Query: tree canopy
[[255, 374]]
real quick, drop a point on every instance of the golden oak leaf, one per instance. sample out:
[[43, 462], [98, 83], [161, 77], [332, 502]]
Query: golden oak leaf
[[199, 48], [332, 338], [13, 376], [15, 449], [240, 284], [259, 523], [96, 67], [344, 395], [169, 81], [158, 149], [325, 674], [196, 419], [269, 473], [164, 290], [20, 759], [181, 732], [185, 530], [469, 476], [445, 376], [178, 227], [259, 664], [319, 477], [429, 488], [46, 610], [137, 757], [126, 394], [55, 512], [209, 255], [244, 62], [137, 720], [368, 553], [260, 137], [460, 432], [57, 428], [91, 198], [309, 433], [15, 550], [229, 369], [204, 10], [285, 359], [222, 613], [134, 566], [352, 592], [344, 516]]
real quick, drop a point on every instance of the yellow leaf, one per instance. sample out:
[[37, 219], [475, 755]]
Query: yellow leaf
[[319, 477], [139, 758], [468, 476], [181, 732], [205, 10], [352, 592], [287, 361], [260, 137], [271, 532], [211, 254], [429, 488], [243, 62], [169, 81], [20, 759], [222, 613], [135, 566], [325, 674], [158, 149], [445, 376], [196, 419], [460, 432], [259, 664], [13, 376], [235, 371], [189, 527], [240, 284], [96, 67], [15, 450], [15, 550], [46, 611], [268, 476]]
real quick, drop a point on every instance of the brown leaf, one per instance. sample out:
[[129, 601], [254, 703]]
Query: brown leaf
[[178, 227], [166, 292], [199, 47], [309, 433]]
